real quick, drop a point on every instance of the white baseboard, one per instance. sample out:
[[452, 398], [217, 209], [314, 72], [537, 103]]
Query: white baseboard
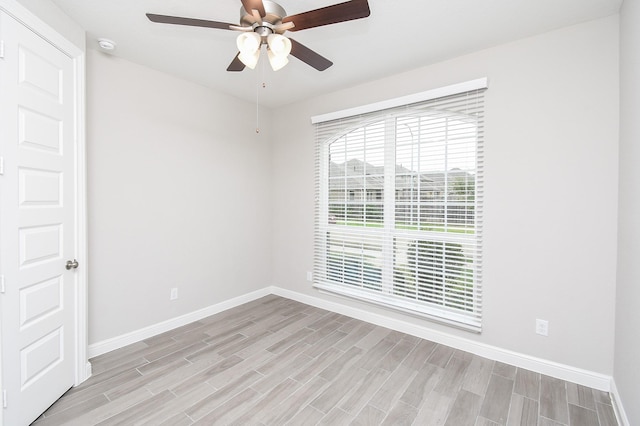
[[114, 343], [621, 416], [549, 368]]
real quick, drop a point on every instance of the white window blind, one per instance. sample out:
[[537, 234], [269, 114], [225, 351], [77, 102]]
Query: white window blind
[[398, 218]]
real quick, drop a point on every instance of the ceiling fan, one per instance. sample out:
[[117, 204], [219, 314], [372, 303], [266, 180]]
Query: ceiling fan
[[263, 22]]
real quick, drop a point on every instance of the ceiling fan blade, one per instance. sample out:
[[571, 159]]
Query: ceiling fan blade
[[164, 19], [341, 12], [250, 5], [236, 64], [309, 57]]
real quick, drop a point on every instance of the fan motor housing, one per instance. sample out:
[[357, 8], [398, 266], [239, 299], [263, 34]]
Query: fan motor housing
[[274, 14]]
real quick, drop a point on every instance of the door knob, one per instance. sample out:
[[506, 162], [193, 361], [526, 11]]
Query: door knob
[[71, 264]]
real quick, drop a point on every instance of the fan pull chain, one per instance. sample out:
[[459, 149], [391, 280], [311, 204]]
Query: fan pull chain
[[257, 109], [264, 86]]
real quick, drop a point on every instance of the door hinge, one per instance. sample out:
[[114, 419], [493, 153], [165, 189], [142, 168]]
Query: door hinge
[[1, 49], [2, 287], [4, 398], [1, 166]]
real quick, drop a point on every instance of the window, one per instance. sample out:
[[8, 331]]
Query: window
[[399, 204]]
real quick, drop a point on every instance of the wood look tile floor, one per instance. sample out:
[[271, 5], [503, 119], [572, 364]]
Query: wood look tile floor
[[275, 361]]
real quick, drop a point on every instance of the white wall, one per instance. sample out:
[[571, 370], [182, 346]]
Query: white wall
[[179, 196], [627, 343], [551, 189], [58, 20]]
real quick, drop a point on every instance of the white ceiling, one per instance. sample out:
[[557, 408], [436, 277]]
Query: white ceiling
[[399, 35]]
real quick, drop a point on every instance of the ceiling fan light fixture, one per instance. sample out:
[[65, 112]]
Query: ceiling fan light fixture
[[249, 59], [248, 43], [277, 61], [279, 48], [279, 44], [249, 46]]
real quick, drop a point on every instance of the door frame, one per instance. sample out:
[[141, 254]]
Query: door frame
[[25, 17]]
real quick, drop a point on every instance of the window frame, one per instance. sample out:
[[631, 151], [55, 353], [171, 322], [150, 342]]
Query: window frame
[[389, 112]]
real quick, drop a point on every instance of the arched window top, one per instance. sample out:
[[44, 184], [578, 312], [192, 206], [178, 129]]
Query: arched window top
[[399, 208]]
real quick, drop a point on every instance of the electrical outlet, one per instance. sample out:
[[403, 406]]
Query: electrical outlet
[[542, 327], [174, 294], [309, 276]]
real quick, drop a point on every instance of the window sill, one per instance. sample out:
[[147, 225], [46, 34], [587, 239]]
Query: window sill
[[431, 313]]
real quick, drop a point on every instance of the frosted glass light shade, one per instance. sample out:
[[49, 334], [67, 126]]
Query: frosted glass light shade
[[279, 49], [249, 59], [279, 44], [248, 42], [277, 61], [249, 46]]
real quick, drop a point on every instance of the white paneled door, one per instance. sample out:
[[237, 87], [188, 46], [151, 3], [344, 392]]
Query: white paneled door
[[38, 222]]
